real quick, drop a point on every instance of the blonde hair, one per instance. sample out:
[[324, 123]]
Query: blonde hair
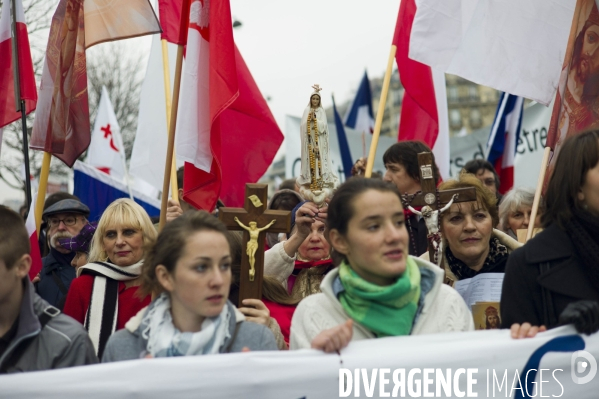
[[121, 213]]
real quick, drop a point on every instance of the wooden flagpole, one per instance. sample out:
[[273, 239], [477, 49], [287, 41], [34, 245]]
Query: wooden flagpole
[[173, 119], [380, 112], [167, 97], [41, 192], [537, 199]]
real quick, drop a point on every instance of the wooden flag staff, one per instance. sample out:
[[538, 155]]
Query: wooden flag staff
[[380, 112], [173, 119], [167, 97], [41, 192]]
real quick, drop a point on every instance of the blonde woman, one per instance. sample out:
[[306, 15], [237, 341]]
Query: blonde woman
[[103, 296]]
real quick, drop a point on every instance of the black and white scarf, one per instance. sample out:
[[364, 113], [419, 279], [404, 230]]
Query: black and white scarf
[[497, 254], [101, 316]]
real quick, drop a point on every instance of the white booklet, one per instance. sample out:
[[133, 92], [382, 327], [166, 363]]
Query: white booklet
[[485, 287]]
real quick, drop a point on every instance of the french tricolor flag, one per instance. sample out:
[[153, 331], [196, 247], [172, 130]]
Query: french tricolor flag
[[359, 114], [424, 107], [501, 147], [8, 113]]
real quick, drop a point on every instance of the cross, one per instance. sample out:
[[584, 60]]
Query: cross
[[431, 197], [108, 132], [254, 210]]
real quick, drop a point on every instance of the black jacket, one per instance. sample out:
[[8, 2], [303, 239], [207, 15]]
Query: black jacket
[[55, 266], [418, 235], [563, 280]]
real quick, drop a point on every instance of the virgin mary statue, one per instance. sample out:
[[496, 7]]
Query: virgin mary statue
[[317, 179]]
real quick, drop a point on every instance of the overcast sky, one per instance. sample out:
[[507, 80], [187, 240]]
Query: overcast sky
[[291, 45]]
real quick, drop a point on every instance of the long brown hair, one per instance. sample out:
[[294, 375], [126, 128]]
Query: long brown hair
[[170, 245], [578, 155]]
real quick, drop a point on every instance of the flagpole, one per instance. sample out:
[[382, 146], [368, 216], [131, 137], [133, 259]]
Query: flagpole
[[173, 119], [39, 202], [379, 114], [20, 103], [537, 199], [167, 97]]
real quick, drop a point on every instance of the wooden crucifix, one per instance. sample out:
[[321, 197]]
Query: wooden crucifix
[[433, 202], [255, 221]]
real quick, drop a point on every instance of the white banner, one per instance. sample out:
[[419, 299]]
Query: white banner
[[558, 363], [529, 149]]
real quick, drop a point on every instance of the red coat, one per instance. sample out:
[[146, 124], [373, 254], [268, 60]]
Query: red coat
[[282, 314], [79, 297]]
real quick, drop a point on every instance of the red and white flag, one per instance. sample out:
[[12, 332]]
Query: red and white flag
[[424, 106], [61, 125], [226, 132], [106, 151], [8, 113], [36, 264]]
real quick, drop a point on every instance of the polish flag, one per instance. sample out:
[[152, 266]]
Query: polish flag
[[501, 146], [424, 107], [36, 264], [8, 113], [226, 133]]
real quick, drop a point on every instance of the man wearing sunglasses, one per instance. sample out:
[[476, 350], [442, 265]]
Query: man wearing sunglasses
[[65, 219]]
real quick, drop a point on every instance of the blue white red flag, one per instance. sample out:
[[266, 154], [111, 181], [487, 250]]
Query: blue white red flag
[[346, 158], [359, 114], [501, 147], [97, 190]]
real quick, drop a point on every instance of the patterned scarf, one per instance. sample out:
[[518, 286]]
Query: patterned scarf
[[497, 254], [386, 311], [165, 340], [584, 230]]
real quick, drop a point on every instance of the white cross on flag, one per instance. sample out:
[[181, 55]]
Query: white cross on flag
[[105, 150]]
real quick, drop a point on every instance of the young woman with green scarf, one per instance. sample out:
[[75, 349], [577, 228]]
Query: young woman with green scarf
[[378, 290]]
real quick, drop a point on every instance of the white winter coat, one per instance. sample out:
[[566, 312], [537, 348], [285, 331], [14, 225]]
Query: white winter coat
[[444, 310]]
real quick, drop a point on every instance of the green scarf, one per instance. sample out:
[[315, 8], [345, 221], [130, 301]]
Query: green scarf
[[386, 311]]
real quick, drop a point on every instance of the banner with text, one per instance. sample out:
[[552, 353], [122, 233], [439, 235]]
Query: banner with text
[[558, 363]]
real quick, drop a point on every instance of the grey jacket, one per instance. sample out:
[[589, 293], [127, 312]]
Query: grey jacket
[[62, 342], [129, 344]]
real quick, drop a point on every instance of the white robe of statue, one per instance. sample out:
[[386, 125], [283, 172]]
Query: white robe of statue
[[328, 176]]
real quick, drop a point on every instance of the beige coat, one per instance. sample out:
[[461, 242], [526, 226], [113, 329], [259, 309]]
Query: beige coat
[[504, 239]]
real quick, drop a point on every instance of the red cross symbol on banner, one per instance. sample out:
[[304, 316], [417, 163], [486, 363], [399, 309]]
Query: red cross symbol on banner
[[107, 133]]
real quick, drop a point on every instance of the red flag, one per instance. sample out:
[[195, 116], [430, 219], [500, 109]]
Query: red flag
[[170, 19], [8, 114], [226, 131], [424, 106], [36, 258], [418, 110], [61, 124]]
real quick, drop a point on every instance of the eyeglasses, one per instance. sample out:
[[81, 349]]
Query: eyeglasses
[[68, 221]]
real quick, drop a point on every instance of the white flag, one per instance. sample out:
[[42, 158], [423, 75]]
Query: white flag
[[149, 149], [105, 151], [511, 45]]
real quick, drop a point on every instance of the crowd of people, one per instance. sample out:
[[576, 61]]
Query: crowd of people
[[356, 268]]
